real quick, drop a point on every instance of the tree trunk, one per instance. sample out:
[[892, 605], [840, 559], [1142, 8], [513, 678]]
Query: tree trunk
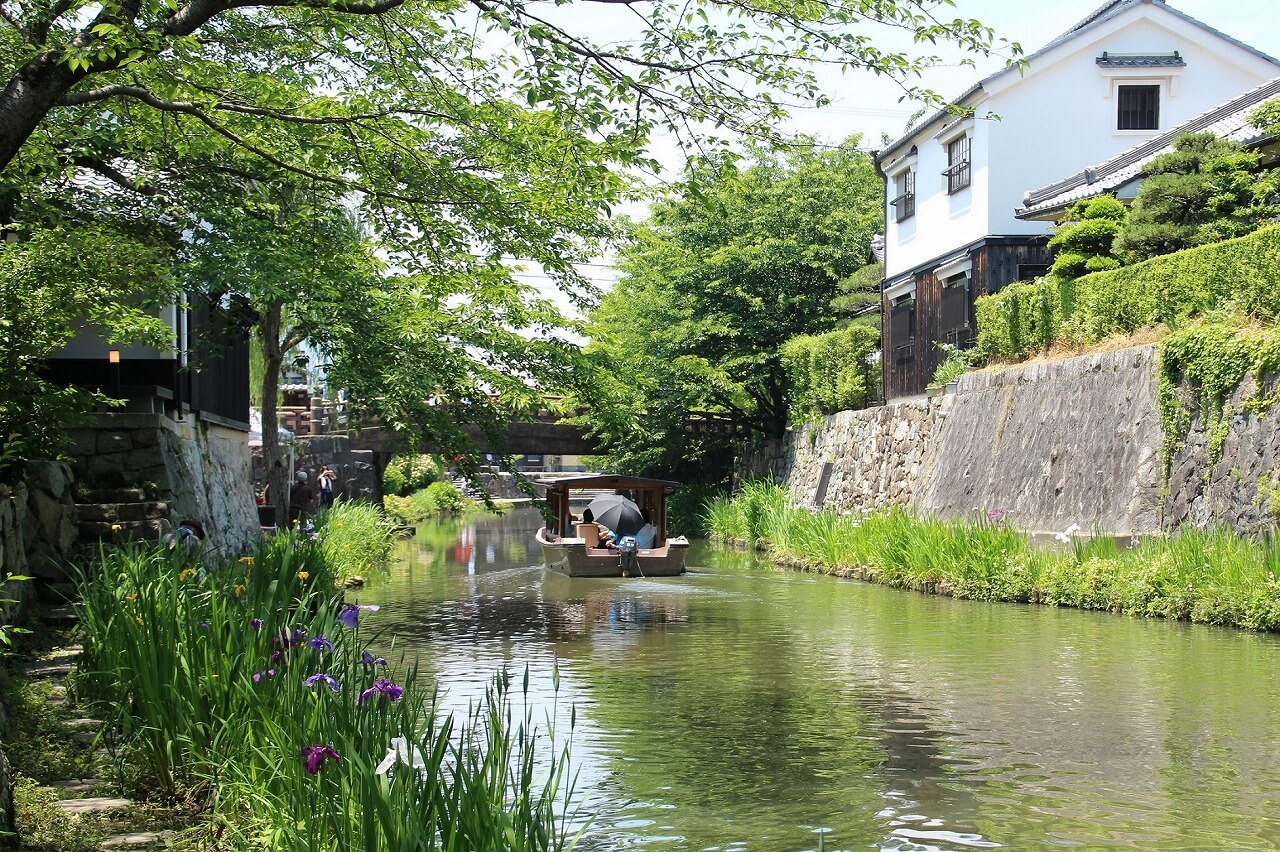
[[31, 92], [277, 484]]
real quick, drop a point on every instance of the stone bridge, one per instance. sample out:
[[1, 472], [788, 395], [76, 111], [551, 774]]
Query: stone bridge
[[546, 434]]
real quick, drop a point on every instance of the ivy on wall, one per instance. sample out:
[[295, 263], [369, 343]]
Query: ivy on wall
[[1237, 276], [1221, 302]]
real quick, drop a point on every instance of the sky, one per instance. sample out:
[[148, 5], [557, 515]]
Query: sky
[[866, 104]]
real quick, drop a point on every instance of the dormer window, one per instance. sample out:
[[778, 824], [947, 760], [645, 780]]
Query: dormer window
[[958, 171], [905, 189], [1139, 107]]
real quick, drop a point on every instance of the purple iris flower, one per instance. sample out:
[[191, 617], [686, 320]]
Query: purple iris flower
[[203, 625], [320, 643], [276, 657], [321, 677], [314, 756], [370, 660], [383, 687], [260, 676], [350, 614], [299, 636], [256, 624]]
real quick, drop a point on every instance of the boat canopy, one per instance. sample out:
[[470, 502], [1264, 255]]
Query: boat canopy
[[609, 480], [649, 494]]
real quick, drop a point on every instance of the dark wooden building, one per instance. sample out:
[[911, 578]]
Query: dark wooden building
[[934, 304], [205, 372]]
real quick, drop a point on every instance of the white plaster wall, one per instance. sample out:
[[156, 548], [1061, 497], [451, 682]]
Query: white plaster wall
[[90, 341], [942, 222], [1062, 118], [1056, 119]]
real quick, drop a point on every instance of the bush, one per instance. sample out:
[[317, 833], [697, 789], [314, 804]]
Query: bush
[[1236, 275], [355, 538], [832, 372], [446, 497], [1086, 237], [409, 473]]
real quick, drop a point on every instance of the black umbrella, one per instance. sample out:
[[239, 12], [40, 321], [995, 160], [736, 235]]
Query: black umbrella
[[617, 513]]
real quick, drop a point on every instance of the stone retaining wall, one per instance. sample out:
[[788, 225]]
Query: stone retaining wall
[[877, 456], [200, 469], [1242, 486], [37, 526], [1072, 441], [357, 470]]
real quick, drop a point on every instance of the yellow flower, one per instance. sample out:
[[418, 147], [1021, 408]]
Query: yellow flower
[[131, 598], [238, 588], [304, 576], [116, 527], [186, 574], [246, 560], [138, 619]]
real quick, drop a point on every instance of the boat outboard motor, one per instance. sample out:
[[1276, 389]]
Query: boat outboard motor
[[627, 554]]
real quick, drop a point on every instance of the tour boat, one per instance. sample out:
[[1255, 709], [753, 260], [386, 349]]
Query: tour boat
[[575, 550]]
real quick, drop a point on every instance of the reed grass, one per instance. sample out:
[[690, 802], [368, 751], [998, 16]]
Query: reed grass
[[203, 674], [1210, 576], [355, 538]]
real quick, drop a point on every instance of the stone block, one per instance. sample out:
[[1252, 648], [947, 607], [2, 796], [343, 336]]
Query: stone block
[[94, 805], [111, 441], [143, 438], [82, 442], [50, 477], [143, 459]]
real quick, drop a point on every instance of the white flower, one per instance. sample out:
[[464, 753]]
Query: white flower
[[400, 752], [1065, 535]]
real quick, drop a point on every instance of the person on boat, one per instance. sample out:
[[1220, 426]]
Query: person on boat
[[601, 539], [648, 534]]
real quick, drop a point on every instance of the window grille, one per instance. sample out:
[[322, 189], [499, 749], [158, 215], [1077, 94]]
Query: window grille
[[905, 203], [1139, 108], [958, 170]]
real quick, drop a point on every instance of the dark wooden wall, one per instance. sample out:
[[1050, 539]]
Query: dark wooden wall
[[910, 361], [218, 368]]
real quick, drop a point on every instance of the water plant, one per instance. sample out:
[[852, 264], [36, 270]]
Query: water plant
[[355, 538], [1211, 575], [251, 686]]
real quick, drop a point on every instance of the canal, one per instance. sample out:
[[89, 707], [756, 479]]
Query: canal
[[744, 708]]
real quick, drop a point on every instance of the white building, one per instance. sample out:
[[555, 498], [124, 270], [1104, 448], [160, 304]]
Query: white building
[[1122, 76]]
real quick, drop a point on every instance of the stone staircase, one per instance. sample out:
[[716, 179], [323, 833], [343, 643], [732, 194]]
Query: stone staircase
[[120, 514], [82, 796]]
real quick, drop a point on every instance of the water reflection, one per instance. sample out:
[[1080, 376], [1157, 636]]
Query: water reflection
[[744, 708]]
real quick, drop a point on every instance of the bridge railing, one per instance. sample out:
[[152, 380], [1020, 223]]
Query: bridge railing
[[320, 417]]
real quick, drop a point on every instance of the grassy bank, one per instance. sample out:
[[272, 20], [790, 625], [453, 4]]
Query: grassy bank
[[1208, 576], [251, 690]]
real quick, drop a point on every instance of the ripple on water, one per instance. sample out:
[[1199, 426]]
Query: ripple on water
[[739, 707]]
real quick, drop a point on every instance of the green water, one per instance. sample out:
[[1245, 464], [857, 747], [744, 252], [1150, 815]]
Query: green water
[[740, 707]]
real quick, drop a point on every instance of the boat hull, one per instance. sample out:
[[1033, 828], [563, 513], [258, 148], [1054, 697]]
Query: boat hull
[[572, 557]]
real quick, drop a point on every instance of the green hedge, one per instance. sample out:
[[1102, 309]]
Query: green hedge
[[1240, 274], [832, 372]]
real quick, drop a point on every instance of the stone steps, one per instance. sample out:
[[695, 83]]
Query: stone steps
[[48, 668], [60, 616], [78, 785], [96, 530], [137, 840], [122, 520], [92, 805]]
